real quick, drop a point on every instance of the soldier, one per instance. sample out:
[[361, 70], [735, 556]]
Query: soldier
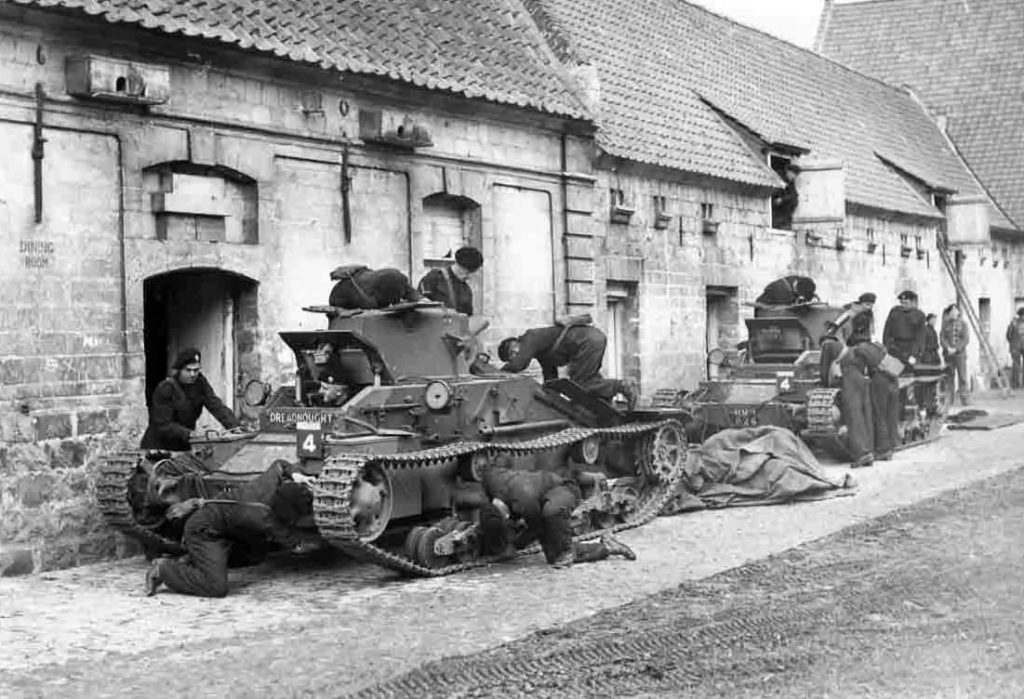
[[449, 286], [856, 405], [177, 403], [576, 344], [904, 332], [954, 347], [270, 507], [831, 349], [788, 291], [1015, 338], [870, 400], [545, 501], [358, 286]]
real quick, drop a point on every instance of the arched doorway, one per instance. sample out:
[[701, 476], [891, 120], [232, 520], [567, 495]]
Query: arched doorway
[[212, 310]]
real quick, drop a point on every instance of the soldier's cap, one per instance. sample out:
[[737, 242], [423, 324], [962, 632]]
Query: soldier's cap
[[867, 297], [1020, 311], [189, 355], [470, 258], [907, 295], [930, 316]]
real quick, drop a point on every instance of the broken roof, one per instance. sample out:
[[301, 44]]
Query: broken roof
[[665, 67], [487, 49], [964, 58]]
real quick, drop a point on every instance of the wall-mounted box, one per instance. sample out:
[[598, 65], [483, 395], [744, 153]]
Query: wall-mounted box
[[967, 220], [821, 187], [376, 126], [115, 80]]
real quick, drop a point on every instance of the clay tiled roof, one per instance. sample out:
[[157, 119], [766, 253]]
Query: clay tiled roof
[[964, 59], [654, 58], [487, 49]]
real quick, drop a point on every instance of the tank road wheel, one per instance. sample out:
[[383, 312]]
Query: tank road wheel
[[668, 452], [425, 555], [587, 450], [372, 502], [412, 540]]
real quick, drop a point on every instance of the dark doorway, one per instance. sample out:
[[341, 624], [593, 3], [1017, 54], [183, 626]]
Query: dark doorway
[[722, 328], [212, 310]]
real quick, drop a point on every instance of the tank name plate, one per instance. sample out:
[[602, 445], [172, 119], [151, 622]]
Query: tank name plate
[[284, 416]]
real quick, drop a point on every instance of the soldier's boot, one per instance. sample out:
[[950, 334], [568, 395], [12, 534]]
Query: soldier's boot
[[617, 548], [153, 580], [566, 558]]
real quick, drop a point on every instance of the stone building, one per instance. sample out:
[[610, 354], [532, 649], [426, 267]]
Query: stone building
[[698, 117], [965, 61], [187, 173]]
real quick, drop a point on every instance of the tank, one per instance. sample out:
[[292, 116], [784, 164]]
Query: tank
[[397, 423], [776, 380]]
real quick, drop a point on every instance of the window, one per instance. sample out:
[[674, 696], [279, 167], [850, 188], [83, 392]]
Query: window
[[707, 211], [661, 215], [784, 202], [985, 316], [620, 213], [617, 197]]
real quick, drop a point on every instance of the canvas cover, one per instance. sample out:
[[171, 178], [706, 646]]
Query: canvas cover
[[754, 466]]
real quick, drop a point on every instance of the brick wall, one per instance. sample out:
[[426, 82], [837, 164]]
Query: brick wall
[[72, 331]]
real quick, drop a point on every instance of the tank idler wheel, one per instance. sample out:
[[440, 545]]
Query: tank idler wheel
[[372, 502], [668, 453], [587, 450]]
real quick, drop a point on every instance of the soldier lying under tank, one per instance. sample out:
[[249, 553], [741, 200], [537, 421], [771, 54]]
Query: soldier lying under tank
[[275, 507], [542, 503], [358, 286]]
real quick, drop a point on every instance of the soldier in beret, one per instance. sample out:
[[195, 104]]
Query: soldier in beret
[[904, 332], [177, 403], [449, 286]]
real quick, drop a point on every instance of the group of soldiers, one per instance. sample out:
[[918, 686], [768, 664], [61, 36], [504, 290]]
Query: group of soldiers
[[868, 371], [520, 506]]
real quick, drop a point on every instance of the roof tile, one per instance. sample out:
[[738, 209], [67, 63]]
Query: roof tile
[[397, 38], [654, 59], [965, 60]]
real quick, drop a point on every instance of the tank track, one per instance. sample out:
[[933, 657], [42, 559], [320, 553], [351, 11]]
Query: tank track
[[333, 492], [820, 425], [112, 492]]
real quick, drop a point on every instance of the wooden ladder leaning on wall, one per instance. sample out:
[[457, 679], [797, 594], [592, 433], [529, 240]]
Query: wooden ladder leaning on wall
[[987, 353]]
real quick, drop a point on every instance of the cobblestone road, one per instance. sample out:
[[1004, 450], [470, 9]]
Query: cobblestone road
[[923, 602], [294, 627]]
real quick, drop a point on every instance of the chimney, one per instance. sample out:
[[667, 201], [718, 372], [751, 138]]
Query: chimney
[[823, 23]]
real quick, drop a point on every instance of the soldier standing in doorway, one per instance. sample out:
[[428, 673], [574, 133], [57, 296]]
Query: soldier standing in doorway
[[177, 403]]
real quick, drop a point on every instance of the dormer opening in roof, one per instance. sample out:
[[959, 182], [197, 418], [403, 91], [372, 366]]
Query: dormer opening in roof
[[785, 201]]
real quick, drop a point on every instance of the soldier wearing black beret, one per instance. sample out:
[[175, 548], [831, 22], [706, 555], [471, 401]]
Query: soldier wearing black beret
[[449, 286], [904, 332], [177, 403]]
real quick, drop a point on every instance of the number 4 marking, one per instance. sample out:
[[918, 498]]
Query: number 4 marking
[[309, 444]]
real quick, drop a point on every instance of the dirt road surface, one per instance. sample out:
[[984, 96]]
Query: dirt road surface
[[295, 628], [924, 602]]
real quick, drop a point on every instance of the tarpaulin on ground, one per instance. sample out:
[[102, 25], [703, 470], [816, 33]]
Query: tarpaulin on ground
[[754, 466]]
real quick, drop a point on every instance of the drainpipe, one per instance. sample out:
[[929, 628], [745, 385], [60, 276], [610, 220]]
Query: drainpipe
[[564, 187]]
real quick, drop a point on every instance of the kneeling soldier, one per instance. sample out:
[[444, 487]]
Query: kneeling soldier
[[544, 501], [271, 507]]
